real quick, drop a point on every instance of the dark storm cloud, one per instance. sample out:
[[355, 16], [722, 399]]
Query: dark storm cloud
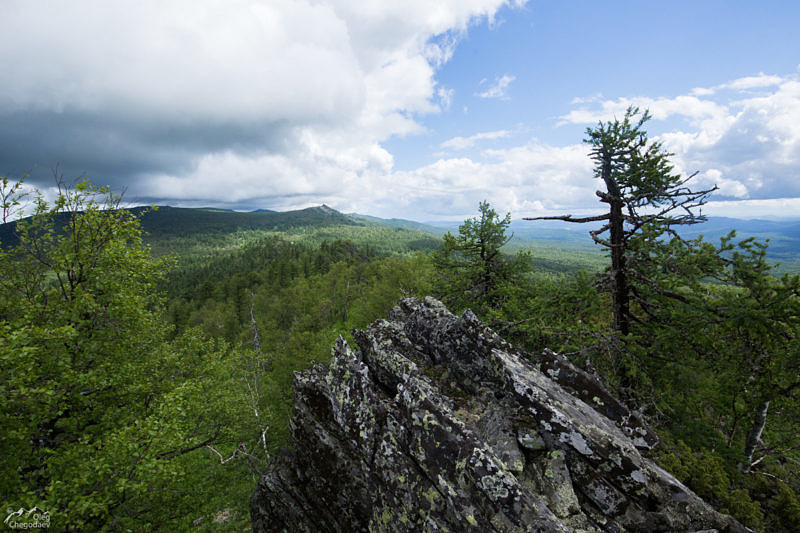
[[116, 151]]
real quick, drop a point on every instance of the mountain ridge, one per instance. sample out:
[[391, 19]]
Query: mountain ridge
[[165, 223]]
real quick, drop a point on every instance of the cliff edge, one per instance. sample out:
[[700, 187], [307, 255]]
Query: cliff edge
[[437, 424]]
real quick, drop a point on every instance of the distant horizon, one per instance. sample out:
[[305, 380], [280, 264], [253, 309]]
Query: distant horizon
[[434, 222]]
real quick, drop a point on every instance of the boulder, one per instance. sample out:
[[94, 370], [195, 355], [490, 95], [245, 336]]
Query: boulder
[[435, 423]]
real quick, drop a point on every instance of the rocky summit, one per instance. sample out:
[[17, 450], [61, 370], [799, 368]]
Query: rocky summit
[[435, 423]]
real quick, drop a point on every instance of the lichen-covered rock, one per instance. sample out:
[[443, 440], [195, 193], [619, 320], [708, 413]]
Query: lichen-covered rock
[[437, 424]]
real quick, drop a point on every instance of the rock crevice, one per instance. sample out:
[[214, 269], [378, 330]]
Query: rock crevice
[[435, 423]]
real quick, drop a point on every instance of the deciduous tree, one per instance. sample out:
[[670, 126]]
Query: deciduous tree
[[100, 411]]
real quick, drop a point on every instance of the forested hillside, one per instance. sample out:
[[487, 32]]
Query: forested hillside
[[134, 373], [148, 355]]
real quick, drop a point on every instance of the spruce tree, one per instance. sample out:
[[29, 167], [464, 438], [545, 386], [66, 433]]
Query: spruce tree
[[646, 201]]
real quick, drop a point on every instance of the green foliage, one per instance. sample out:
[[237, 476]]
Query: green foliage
[[170, 222], [565, 259], [195, 235], [563, 313], [643, 194], [786, 507], [744, 338], [101, 412], [705, 473], [639, 168], [297, 299], [473, 271]]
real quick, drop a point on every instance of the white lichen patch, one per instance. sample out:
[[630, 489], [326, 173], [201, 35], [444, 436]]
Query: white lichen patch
[[494, 486], [639, 476], [531, 441], [578, 442], [615, 458]]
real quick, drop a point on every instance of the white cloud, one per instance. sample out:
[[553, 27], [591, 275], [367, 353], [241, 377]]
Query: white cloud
[[461, 143], [255, 103], [237, 61], [498, 89], [445, 97], [758, 81], [531, 179], [689, 106], [726, 186], [754, 82], [769, 208], [701, 91], [747, 143], [223, 101], [597, 97]]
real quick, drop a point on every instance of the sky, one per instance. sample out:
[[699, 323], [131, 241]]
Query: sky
[[397, 108]]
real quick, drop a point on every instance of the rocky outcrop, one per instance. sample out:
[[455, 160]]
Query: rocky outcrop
[[437, 424]]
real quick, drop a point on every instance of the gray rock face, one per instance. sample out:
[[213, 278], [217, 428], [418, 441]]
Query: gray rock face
[[437, 424]]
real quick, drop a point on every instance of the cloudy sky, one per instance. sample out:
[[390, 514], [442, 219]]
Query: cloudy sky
[[397, 108]]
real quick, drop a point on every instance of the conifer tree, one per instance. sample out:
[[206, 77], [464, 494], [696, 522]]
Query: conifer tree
[[474, 271], [646, 201]]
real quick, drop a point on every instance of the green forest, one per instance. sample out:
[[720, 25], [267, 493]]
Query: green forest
[[148, 353]]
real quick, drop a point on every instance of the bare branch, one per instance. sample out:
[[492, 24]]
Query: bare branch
[[653, 285], [222, 460], [264, 441], [174, 453], [768, 452], [254, 325], [598, 240], [570, 218], [604, 197]]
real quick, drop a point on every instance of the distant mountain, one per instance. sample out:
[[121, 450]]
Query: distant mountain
[[402, 223], [784, 236], [713, 228], [721, 226], [167, 222], [177, 221]]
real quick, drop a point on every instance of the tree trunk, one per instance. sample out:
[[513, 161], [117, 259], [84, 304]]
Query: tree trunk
[[620, 297], [754, 435]]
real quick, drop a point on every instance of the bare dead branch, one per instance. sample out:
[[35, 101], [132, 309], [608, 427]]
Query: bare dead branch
[[174, 453], [222, 460], [570, 218]]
